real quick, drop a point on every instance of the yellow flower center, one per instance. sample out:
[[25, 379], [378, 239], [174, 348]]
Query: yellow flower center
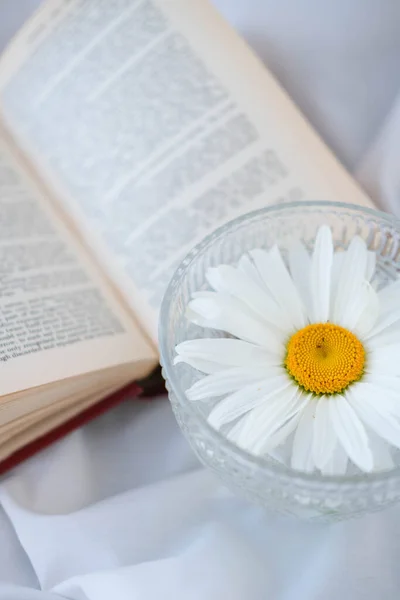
[[324, 358]]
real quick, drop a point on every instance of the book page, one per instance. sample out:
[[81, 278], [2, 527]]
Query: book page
[[57, 317], [156, 124]]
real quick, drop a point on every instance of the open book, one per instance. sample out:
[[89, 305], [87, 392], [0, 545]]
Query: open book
[[129, 130]]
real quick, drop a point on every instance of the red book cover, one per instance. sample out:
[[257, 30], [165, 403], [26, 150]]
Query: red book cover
[[128, 392]]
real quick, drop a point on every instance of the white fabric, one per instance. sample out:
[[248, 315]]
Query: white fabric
[[121, 509]]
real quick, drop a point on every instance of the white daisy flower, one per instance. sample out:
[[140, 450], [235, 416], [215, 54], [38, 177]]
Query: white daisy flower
[[313, 357]]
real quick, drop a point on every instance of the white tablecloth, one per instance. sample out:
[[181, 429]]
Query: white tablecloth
[[121, 509]]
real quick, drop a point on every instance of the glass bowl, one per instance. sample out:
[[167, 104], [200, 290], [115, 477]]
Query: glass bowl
[[262, 479]]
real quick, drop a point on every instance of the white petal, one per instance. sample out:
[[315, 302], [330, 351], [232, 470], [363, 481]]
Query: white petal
[[229, 380], [280, 284], [384, 383], [389, 297], [389, 301], [203, 294], [236, 429], [232, 281], [383, 460], [246, 399], [324, 436], [226, 352], [205, 366], [280, 435], [385, 321], [384, 361], [302, 456], [321, 265], [386, 338], [350, 432], [365, 310], [380, 391], [270, 417], [247, 266], [300, 270], [232, 316], [337, 266], [351, 278], [375, 417], [337, 464]]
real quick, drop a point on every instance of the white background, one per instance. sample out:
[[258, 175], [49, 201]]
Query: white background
[[121, 510]]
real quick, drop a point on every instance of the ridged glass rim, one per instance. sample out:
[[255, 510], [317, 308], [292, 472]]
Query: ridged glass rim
[[276, 470]]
